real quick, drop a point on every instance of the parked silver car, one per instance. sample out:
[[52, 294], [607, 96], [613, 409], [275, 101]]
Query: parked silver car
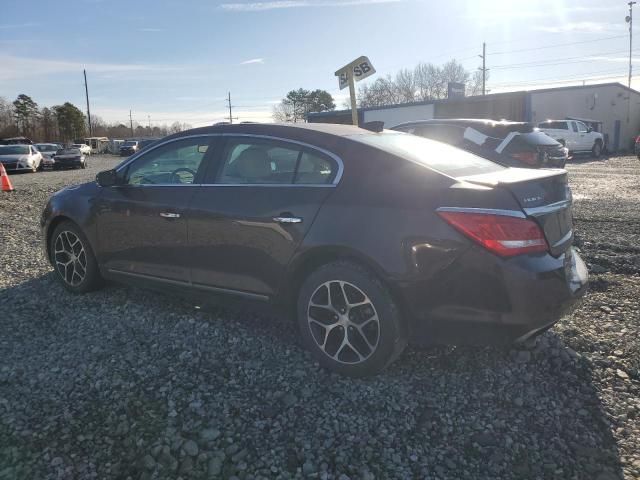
[[20, 157]]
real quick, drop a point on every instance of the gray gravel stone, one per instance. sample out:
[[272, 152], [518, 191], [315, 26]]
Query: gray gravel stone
[[124, 382]]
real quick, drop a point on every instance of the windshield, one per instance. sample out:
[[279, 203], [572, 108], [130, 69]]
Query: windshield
[[46, 147], [129, 143], [433, 154], [14, 150]]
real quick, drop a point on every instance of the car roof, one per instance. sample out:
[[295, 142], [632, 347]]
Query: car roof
[[279, 129]]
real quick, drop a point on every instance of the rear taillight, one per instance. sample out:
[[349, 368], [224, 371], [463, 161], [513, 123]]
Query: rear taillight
[[500, 234], [638, 139], [528, 158]]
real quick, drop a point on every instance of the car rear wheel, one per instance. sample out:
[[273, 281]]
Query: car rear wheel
[[349, 321], [73, 259]]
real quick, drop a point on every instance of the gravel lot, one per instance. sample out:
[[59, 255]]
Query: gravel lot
[[124, 383]]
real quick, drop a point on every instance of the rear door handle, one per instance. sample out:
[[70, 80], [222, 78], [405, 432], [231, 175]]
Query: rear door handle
[[169, 215], [287, 220]]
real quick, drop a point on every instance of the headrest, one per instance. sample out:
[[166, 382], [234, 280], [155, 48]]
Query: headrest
[[253, 163]]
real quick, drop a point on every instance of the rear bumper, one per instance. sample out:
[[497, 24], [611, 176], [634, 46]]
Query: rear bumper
[[480, 300]]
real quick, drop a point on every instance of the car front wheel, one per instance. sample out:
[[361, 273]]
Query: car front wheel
[[597, 149], [349, 321], [73, 259]]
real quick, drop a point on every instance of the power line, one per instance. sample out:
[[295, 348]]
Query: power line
[[557, 45], [559, 80], [553, 61]]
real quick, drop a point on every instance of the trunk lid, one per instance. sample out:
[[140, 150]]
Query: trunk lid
[[543, 195]]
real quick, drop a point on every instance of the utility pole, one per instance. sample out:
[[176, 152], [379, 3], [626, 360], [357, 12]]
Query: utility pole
[[131, 122], [629, 20], [86, 91], [231, 117], [484, 68]]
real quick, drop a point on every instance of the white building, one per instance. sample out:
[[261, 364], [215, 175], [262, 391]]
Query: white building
[[612, 108]]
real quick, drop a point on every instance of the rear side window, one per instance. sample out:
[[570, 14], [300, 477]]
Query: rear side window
[[439, 156], [555, 125], [314, 169], [265, 162]]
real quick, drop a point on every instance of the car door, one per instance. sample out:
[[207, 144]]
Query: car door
[[584, 138], [253, 211], [141, 221], [573, 141]]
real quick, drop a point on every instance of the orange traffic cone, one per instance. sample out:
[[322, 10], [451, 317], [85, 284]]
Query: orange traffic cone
[[4, 179]]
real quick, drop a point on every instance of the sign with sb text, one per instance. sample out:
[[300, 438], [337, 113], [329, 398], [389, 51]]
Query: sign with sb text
[[361, 68]]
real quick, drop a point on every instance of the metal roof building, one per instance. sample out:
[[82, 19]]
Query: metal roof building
[[612, 108]]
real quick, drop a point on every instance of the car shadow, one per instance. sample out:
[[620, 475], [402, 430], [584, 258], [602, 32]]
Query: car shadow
[[449, 412]]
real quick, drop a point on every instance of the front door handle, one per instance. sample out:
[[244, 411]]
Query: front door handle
[[169, 215], [287, 220]]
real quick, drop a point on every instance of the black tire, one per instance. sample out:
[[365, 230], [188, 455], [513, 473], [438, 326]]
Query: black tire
[[379, 315], [596, 150], [63, 238]]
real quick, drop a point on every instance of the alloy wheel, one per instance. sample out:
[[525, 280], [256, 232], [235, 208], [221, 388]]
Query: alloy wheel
[[343, 322], [70, 258]]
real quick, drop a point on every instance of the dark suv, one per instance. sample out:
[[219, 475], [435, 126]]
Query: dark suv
[[515, 144], [129, 147], [372, 240]]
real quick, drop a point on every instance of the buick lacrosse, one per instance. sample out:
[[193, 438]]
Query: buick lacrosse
[[372, 240]]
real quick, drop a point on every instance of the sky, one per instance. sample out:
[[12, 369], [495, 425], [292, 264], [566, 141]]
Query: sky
[[176, 60]]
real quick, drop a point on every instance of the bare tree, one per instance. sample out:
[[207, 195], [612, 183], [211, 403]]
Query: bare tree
[[425, 82]]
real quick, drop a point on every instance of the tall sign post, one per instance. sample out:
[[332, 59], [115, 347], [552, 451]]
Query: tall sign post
[[351, 73]]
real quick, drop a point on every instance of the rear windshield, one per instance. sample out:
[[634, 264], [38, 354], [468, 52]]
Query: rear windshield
[[14, 150], [46, 147], [538, 138], [439, 156], [68, 151]]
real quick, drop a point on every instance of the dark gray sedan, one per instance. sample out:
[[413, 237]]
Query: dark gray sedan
[[371, 240]]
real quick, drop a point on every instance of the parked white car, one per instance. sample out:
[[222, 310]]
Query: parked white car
[[20, 157], [83, 147], [574, 135]]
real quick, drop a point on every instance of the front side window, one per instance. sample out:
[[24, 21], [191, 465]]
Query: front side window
[[267, 162], [174, 163], [582, 128]]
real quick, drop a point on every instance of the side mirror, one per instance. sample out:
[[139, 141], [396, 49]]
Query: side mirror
[[589, 129], [107, 178]]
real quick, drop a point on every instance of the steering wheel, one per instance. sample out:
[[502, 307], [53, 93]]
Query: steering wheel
[[175, 178]]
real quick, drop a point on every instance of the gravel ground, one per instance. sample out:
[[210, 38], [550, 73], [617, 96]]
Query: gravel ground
[[124, 383]]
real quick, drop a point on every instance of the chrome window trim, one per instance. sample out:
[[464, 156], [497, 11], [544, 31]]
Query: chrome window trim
[[331, 155], [545, 209], [484, 211], [258, 185]]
